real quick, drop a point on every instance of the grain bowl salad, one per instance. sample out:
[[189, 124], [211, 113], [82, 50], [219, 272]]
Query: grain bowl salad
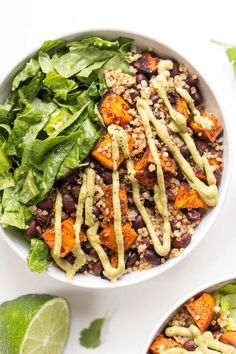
[[109, 159], [205, 324]]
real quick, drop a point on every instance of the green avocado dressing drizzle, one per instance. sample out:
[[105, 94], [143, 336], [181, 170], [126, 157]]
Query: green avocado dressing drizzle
[[205, 342]]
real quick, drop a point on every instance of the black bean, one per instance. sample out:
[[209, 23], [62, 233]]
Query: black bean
[[97, 268], [218, 174], [179, 176], [138, 223], [181, 242], [157, 114], [202, 146], [172, 98], [170, 196], [151, 257], [83, 268], [175, 70], [193, 215], [197, 97], [75, 190], [96, 211], [185, 151], [174, 223], [214, 328], [135, 94], [107, 177], [70, 258], [130, 200], [190, 345], [147, 242], [192, 81], [91, 251], [140, 77], [133, 257], [46, 204], [154, 98], [42, 220], [32, 229], [169, 131], [68, 202]]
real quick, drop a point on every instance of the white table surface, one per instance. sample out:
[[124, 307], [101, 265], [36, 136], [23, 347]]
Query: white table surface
[[187, 26]]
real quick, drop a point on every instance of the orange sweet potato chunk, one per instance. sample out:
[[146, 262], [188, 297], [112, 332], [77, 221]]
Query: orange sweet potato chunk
[[209, 134], [114, 260], [103, 151], [114, 109], [147, 64], [108, 238], [229, 338], [146, 175], [182, 107], [68, 237], [187, 197], [109, 212], [202, 310], [161, 344]]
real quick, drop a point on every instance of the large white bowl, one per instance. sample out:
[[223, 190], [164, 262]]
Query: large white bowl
[[14, 237], [162, 323]]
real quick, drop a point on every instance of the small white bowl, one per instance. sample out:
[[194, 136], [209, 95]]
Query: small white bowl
[[14, 238], [212, 286]]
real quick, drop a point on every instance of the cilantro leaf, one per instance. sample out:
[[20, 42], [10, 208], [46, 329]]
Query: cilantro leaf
[[90, 337]]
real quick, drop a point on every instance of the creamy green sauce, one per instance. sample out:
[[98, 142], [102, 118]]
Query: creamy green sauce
[[109, 271], [205, 342], [179, 122], [209, 193], [204, 122], [161, 248]]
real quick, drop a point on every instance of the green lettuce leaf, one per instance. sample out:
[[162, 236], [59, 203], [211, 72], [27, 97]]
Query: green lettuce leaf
[[45, 62], [26, 127], [30, 70], [56, 120], [38, 254], [29, 91], [29, 190], [52, 45], [14, 213], [87, 137], [59, 85], [6, 180], [227, 296], [95, 42], [73, 62]]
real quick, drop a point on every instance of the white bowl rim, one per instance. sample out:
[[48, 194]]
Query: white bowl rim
[[224, 186], [218, 282]]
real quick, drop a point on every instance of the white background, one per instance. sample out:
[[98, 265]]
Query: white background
[[187, 26]]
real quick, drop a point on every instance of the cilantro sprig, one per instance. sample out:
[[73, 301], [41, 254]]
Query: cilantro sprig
[[91, 337]]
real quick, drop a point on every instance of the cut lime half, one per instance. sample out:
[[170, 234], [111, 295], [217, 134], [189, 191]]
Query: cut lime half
[[34, 324]]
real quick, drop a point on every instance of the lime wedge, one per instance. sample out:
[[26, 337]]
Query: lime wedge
[[34, 324]]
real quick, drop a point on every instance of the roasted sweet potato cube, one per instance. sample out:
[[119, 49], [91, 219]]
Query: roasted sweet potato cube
[[109, 211], [161, 344], [147, 64], [103, 151], [209, 134], [229, 338], [202, 310], [182, 107], [146, 169], [114, 109], [187, 197], [108, 238], [68, 237]]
